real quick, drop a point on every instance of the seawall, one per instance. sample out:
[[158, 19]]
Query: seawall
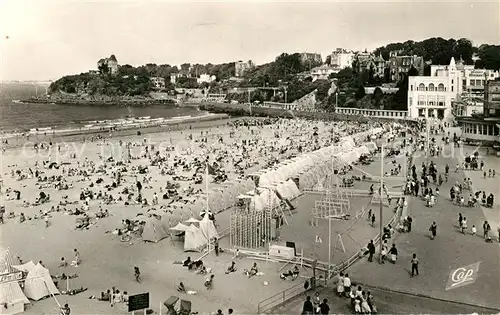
[[247, 110]]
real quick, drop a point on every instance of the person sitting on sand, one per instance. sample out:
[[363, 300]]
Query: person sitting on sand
[[181, 288], [252, 272], [187, 262], [125, 297], [105, 296], [290, 273], [76, 291], [232, 268], [22, 218], [63, 263]]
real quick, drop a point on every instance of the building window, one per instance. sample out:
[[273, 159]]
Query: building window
[[411, 87], [421, 112], [421, 87], [490, 130], [410, 101], [431, 87], [431, 100], [421, 100], [441, 100], [441, 87], [452, 88], [464, 83], [451, 81], [471, 82]]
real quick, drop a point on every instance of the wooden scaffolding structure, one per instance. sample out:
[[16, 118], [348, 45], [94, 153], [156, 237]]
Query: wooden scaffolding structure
[[335, 204], [251, 228]]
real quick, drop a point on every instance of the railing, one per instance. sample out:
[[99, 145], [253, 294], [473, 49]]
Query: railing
[[280, 298]]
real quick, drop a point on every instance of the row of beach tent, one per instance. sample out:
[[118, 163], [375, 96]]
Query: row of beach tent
[[195, 237], [310, 167], [38, 283]]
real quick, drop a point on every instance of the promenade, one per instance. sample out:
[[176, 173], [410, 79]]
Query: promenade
[[441, 259]]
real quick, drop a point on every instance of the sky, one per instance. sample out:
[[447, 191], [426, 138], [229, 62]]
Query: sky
[[46, 39]]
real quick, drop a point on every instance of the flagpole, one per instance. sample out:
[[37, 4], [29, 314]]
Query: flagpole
[[206, 186]]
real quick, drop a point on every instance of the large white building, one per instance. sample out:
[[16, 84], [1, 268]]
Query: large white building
[[342, 58], [432, 96]]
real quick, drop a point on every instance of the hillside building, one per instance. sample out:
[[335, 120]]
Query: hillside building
[[158, 82], [206, 78], [447, 90], [311, 59], [110, 62], [365, 61], [341, 58], [322, 72], [400, 65], [240, 67]]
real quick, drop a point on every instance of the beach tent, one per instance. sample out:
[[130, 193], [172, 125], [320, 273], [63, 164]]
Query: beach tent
[[11, 294], [39, 284], [264, 199], [194, 239], [154, 230], [180, 227], [292, 187], [207, 228], [25, 267]]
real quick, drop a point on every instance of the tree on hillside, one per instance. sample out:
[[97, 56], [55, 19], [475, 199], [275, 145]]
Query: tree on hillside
[[377, 96], [185, 67], [400, 98], [489, 57], [437, 49], [103, 68], [360, 92]]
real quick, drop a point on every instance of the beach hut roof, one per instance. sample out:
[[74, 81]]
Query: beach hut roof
[[192, 220]]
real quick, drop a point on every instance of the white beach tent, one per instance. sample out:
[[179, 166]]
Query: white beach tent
[[194, 240], [11, 294], [39, 284], [26, 267], [207, 228], [264, 199], [154, 231], [180, 227]]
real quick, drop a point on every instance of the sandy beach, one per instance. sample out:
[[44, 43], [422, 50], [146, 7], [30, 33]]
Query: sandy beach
[[106, 260]]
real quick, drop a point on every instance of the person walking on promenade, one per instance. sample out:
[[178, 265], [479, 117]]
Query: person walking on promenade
[[460, 219], [307, 308], [410, 221], [384, 252], [347, 284], [324, 309], [394, 253], [414, 265], [137, 274], [464, 225], [433, 229], [371, 250], [373, 220], [486, 230]]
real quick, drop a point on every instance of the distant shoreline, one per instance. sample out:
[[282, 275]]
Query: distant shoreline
[[17, 140], [113, 102]]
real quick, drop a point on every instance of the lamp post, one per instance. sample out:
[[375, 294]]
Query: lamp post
[[381, 205]]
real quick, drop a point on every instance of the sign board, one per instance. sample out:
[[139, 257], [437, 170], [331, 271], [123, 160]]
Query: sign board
[[463, 276], [10, 277], [138, 302], [282, 251]]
